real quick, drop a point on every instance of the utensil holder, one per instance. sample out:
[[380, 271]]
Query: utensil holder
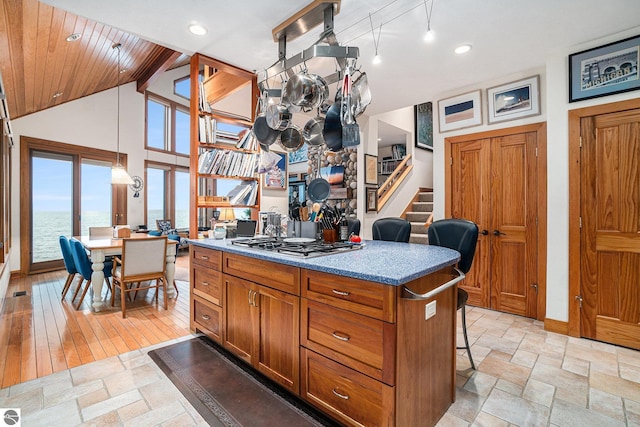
[[329, 235]]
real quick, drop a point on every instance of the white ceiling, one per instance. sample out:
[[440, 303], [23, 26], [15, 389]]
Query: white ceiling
[[508, 36]]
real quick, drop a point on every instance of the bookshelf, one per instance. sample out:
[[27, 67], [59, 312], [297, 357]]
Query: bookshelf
[[222, 144]]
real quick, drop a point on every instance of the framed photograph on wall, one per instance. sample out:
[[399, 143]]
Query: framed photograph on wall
[[460, 111], [372, 199], [370, 169], [514, 100], [300, 155], [423, 123], [605, 70], [276, 178]]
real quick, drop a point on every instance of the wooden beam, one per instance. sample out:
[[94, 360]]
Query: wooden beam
[[222, 84], [165, 59]]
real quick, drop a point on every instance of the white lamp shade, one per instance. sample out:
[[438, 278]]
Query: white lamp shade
[[120, 176]]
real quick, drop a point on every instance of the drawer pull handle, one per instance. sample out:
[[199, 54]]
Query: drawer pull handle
[[204, 257], [206, 317], [341, 396], [205, 283], [341, 293], [337, 335]]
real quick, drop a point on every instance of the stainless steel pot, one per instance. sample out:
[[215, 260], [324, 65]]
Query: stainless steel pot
[[263, 132], [291, 139], [312, 131], [305, 90], [278, 116]]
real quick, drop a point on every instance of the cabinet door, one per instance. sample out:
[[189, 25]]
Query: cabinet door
[[278, 339], [239, 317]]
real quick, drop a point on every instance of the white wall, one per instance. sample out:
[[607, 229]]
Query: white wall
[[555, 107], [91, 122]]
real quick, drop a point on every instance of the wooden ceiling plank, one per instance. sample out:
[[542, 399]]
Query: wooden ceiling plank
[[66, 59], [29, 37], [10, 47], [55, 48], [104, 62], [42, 99], [163, 61], [78, 55], [84, 74]]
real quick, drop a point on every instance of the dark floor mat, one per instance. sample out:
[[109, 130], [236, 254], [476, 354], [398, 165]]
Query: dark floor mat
[[228, 393]]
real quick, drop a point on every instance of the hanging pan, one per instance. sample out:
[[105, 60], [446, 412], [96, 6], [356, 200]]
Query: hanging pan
[[332, 129], [291, 139], [318, 189], [312, 131], [261, 129]]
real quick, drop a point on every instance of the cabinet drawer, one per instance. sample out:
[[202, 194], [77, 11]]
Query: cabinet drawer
[[274, 275], [349, 396], [207, 284], [368, 298], [208, 258], [349, 338], [209, 317]]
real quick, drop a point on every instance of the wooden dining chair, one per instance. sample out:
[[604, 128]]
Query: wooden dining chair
[[142, 260], [69, 263], [106, 232]]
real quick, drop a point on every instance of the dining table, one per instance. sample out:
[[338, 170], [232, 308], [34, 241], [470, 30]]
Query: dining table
[[100, 247]]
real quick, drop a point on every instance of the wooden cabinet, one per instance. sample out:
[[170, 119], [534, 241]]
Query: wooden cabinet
[[262, 323], [206, 292], [223, 86], [356, 350]]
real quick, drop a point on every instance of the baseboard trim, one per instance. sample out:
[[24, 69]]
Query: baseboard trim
[[557, 326]]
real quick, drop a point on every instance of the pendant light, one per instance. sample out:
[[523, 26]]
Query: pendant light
[[118, 173]]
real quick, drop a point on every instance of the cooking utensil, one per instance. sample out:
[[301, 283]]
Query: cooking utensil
[[278, 116], [350, 129], [291, 138], [262, 131], [318, 189], [332, 129], [312, 131], [305, 90], [360, 94]]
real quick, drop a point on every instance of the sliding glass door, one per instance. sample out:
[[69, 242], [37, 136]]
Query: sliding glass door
[[68, 190]]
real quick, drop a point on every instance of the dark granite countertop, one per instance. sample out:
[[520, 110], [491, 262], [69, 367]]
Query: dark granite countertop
[[390, 263]]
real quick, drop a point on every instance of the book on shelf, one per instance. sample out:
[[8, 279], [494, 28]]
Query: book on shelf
[[240, 193], [218, 161], [203, 104]]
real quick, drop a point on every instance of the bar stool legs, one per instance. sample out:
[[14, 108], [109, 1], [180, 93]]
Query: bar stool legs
[[462, 301]]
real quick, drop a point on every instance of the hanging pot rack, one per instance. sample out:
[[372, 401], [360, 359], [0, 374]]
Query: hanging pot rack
[[327, 46]]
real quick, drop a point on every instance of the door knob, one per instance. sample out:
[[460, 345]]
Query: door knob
[[498, 233], [484, 232]]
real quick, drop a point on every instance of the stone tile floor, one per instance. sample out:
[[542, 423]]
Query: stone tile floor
[[525, 377]]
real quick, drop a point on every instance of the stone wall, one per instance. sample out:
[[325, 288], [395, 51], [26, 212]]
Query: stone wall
[[346, 157]]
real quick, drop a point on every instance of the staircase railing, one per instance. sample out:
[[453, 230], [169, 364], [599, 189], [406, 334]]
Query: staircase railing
[[392, 183]]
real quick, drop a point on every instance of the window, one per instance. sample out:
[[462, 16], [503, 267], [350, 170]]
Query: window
[[182, 87], [167, 194], [167, 125]]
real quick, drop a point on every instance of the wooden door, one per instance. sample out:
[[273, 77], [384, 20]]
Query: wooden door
[[470, 173], [278, 339], [239, 321], [493, 183], [513, 234], [610, 235]]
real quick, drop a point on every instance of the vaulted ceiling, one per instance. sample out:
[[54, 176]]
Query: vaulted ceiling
[[40, 69]]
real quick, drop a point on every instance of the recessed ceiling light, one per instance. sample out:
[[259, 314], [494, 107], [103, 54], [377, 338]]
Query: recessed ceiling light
[[197, 29], [57, 94], [463, 48], [74, 37]]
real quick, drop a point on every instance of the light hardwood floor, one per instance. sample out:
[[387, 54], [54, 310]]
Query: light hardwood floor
[[41, 334]]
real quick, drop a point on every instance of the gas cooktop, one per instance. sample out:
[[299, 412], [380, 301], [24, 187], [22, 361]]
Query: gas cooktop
[[295, 246]]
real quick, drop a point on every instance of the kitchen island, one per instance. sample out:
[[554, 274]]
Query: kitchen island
[[366, 335]]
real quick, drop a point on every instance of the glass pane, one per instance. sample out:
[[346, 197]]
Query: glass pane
[[95, 195], [156, 192], [52, 205], [182, 200], [182, 87], [156, 124], [182, 132]]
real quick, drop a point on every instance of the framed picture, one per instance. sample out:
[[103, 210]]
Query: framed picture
[[276, 178], [370, 169], [423, 122], [460, 111], [372, 199], [300, 155], [514, 100], [604, 70]]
